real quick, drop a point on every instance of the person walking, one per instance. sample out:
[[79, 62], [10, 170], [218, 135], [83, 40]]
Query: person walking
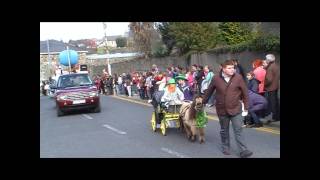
[[230, 89]]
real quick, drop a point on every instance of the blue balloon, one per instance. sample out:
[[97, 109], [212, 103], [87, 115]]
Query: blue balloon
[[63, 56]]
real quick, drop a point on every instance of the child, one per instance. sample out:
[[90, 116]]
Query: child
[[184, 87], [253, 83]]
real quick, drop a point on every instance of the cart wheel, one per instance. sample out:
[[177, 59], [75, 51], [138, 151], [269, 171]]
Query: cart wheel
[[153, 122], [163, 127]]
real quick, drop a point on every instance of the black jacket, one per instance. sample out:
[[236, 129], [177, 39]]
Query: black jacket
[[253, 85]]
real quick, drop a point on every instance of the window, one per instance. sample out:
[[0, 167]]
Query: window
[[74, 81]]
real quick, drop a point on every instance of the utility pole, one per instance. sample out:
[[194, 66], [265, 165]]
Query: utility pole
[[49, 58], [69, 59], [105, 40]]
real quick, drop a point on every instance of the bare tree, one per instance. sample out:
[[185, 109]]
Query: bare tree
[[142, 33]]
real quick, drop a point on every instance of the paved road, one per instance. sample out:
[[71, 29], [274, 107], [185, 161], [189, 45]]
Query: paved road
[[122, 129]]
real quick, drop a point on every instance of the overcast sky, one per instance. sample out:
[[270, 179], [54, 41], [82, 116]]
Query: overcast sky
[[80, 30]]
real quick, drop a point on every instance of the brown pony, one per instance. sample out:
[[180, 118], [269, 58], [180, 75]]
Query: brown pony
[[188, 112]]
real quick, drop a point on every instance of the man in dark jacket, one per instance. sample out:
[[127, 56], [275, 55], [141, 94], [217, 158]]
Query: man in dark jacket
[[271, 85], [230, 88]]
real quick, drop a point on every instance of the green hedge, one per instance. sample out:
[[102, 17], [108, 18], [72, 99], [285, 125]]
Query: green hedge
[[262, 43]]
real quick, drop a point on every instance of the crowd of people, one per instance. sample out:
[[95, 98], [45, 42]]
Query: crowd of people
[[238, 96], [262, 83]]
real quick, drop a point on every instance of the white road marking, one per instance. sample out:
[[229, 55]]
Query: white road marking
[[114, 129], [174, 153], [87, 116]]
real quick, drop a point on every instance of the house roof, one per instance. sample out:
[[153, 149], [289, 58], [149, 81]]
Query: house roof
[[113, 38], [110, 56], [57, 46]]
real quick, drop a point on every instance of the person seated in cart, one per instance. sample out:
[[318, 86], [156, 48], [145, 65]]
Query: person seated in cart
[[172, 95], [184, 87]]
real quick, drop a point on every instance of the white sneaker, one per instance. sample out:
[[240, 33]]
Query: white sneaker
[[149, 101]]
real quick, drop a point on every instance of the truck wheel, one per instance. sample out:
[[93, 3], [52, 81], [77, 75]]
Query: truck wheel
[[97, 109], [59, 112]]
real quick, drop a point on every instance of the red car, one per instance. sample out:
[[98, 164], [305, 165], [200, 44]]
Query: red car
[[76, 91]]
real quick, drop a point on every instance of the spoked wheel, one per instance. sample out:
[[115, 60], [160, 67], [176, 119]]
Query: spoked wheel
[[153, 122], [163, 127]]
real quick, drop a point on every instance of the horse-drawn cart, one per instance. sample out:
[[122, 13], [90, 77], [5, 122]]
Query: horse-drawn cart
[[164, 117]]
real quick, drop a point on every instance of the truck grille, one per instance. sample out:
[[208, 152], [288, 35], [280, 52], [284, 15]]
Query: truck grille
[[77, 95]]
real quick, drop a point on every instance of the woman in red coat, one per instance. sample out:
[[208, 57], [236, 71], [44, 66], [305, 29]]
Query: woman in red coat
[[260, 74]]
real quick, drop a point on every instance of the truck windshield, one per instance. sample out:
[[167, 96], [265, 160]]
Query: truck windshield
[[74, 81]]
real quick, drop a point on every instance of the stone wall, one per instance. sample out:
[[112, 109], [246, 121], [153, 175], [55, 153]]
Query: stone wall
[[213, 60], [245, 58], [55, 58], [145, 64], [44, 69]]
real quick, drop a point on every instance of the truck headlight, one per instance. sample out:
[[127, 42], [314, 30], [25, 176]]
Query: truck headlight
[[92, 94], [63, 97]]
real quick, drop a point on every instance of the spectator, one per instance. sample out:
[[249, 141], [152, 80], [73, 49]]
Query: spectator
[[160, 81], [239, 68], [102, 85], [109, 84], [141, 86], [170, 71], [120, 86], [271, 86], [176, 72], [44, 92], [97, 83], [116, 83], [128, 84], [253, 83], [260, 74], [189, 77], [264, 64], [149, 85], [199, 78], [193, 84], [257, 106], [184, 87], [205, 83], [134, 83], [154, 69], [183, 70]]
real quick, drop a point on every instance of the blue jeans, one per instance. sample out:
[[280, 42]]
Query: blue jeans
[[122, 89], [237, 122], [255, 117], [141, 93], [117, 89]]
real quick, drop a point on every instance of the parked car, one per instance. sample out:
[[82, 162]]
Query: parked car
[[75, 91]]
